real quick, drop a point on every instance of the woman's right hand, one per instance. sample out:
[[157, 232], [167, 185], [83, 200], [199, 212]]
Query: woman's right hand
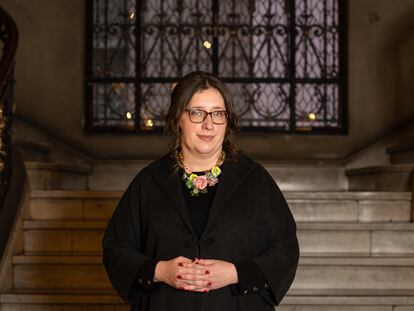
[[183, 273]]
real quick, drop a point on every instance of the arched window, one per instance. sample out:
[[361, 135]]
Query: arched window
[[284, 60]]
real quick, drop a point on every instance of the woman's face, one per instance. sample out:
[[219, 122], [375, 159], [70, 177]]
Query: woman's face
[[204, 138]]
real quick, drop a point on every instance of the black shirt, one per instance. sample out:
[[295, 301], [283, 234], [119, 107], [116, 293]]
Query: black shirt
[[198, 206]]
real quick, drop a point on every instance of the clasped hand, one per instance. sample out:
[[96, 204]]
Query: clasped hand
[[199, 275]]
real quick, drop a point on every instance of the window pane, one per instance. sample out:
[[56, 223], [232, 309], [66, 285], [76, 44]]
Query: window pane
[[253, 39], [113, 104], [173, 36], [262, 104], [317, 39], [114, 38], [316, 106], [155, 101]]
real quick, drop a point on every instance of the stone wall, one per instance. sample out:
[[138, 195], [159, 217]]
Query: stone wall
[[50, 74]]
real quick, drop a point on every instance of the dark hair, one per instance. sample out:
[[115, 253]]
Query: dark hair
[[181, 95]]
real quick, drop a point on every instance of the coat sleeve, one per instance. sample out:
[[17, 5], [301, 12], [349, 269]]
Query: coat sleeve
[[279, 261], [249, 275], [122, 244]]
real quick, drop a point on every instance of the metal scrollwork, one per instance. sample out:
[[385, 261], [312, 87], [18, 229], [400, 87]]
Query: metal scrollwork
[[8, 47], [283, 59], [6, 107]]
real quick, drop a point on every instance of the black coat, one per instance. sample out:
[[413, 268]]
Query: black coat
[[248, 220]]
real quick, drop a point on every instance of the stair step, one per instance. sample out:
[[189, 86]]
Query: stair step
[[115, 175], [370, 238], [97, 224], [406, 261], [342, 255], [305, 206], [57, 259], [350, 206], [354, 277], [381, 178], [90, 253], [60, 296], [55, 275], [71, 209], [303, 255], [327, 292], [306, 176], [63, 236], [313, 272], [300, 195], [348, 300], [326, 300], [63, 224], [47, 175], [50, 166], [75, 194], [73, 241], [352, 238], [305, 259], [349, 195], [390, 226], [303, 300], [61, 204]]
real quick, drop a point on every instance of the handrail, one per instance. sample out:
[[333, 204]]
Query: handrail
[[9, 40], [12, 203], [12, 174], [10, 37]]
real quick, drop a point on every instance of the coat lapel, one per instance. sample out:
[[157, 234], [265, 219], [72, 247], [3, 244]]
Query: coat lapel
[[170, 183], [233, 175]]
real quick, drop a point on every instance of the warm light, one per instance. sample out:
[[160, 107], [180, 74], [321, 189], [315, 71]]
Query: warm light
[[207, 44], [129, 115], [149, 123], [312, 116], [131, 15]]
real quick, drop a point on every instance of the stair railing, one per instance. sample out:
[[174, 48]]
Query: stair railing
[[12, 172], [8, 43]]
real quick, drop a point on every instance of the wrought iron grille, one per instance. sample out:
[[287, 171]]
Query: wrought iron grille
[[284, 60]]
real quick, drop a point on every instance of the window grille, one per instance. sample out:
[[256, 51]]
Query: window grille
[[284, 60]]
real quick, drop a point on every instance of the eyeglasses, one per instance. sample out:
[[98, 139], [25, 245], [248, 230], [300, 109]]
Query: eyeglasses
[[199, 116]]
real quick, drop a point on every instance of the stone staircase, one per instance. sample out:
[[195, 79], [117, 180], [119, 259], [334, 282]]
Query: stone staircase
[[394, 172], [357, 252], [357, 248]]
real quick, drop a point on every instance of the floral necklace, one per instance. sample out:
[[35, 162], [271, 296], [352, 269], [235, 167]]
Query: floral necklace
[[198, 184]]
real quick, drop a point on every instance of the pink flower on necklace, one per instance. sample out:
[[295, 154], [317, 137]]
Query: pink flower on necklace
[[200, 182]]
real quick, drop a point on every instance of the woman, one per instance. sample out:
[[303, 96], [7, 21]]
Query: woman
[[204, 227]]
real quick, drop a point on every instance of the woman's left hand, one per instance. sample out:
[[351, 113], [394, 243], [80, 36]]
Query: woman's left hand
[[222, 273]]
